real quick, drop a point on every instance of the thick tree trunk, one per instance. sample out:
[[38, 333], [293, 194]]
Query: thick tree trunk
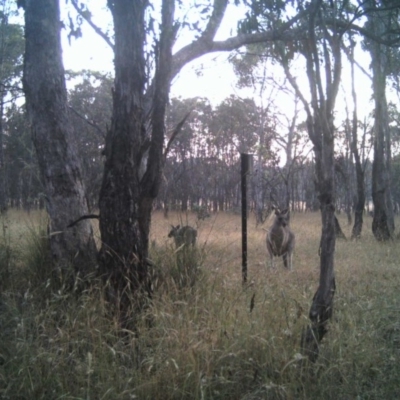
[[382, 224], [122, 257], [134, 158], [383, 221], [53, 137]]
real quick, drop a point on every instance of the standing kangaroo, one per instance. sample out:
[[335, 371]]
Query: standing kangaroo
[[280, 239], [185, 235]]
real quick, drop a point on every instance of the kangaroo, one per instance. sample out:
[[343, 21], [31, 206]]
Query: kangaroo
[[185, 235], [280, 239]]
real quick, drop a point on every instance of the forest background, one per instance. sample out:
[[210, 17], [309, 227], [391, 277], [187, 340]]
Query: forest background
[[121, 147]]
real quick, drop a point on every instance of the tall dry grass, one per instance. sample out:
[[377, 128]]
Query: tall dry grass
[[212, 340]]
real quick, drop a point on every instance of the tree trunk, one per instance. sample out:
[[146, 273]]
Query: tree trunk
[[3, 175], [134, 157], [122, 257], [321, 130], [360, 203], [53, 138], [383, 221], [322, 304]]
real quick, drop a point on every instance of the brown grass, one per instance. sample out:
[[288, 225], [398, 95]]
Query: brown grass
[[205, 342]]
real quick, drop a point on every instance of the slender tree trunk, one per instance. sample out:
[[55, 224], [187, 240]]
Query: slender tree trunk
[[360, 203], [321, 130], [3, 175], [322, 304], [53, 138]]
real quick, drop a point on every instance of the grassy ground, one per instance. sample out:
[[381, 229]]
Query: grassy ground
[[203, 342]]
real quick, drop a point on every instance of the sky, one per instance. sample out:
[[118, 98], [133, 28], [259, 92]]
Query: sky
[[211, 76], [216, 80]]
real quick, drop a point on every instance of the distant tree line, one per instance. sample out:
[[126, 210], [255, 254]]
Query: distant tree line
[[202, 168]]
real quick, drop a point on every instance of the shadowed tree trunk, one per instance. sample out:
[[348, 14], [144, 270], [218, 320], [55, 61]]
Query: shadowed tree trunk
[[383, 220], [123, 252], [53, 138]]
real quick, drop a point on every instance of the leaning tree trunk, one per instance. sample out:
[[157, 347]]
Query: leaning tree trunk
[[53, 138]]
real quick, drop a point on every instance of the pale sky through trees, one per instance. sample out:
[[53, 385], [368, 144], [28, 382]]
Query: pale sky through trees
[[210, 76]]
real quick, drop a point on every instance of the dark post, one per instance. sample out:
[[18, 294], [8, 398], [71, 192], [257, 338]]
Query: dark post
[[245, 161]]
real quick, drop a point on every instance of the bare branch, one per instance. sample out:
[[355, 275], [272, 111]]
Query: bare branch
[[86, 16], [205, 45], [352, 60], [98, 129], [89, 216], [175, 133]]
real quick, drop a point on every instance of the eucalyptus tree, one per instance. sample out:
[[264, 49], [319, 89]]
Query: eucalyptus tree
[[383, 23], [53, 138], [358, 151], [321, 53]]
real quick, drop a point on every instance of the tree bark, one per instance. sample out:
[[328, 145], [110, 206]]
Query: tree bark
[[122, 257], [53, 138], [383, 220], [134, 157]]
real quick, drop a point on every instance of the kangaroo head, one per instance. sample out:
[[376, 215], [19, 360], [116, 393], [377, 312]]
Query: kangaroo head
[[173, 232], [282, 217]]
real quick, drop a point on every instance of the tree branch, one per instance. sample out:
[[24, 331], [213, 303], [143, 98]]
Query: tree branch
[[87, 17], [98, 129], [205, 45], [175, 132]]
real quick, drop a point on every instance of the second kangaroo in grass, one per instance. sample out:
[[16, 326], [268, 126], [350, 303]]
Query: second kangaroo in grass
[[280, 239], [185, 235]]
